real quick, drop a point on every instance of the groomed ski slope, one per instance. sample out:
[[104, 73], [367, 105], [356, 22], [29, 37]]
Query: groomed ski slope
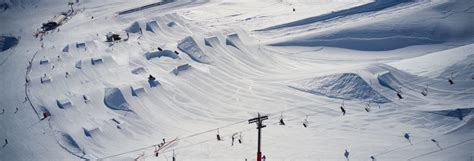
[[219, 63]]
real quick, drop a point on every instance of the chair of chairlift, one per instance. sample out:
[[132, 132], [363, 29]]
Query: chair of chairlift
[[218, 136], [399, 94], [305, 122], [281, 120]]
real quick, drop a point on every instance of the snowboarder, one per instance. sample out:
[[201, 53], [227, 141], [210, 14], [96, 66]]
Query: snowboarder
[[346, 154], [407, 136], [343, 110]]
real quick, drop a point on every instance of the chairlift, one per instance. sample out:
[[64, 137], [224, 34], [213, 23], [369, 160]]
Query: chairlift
[[399, 93], [174, 156], [342, 109], [367, 107], [451, 79], [425, 91], [281, 120], [156, 151], [218, 136], [305, 122], [240, 138]]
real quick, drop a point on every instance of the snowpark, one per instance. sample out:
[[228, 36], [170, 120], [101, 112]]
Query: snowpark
[[375, 80]]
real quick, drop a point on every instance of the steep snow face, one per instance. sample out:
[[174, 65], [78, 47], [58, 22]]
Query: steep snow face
[[348, 86], [7, 42], [440, 24]]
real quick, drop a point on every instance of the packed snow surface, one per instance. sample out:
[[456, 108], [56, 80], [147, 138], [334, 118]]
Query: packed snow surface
[[384, 80]]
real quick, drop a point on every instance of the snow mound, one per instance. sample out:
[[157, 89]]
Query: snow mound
[[152, 26], [68, 143], [348, 86], [45, 79], [96, 60], [167, 53], [190, 47], [232, 40], [138, 70], [459, 113], [81, 45], [211, 41], [181, 68], [90, 132], [137, 90], [134, 28], [377, 5], [64, 103], [114, 100], [387, 79], [172, 24], [44, 61], [7, 42]]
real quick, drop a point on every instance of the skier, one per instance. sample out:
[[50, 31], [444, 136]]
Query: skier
[[346, 154], [343, 110], [164, 141], [67, 74], [240, 138], [264, 158], [16, 110], [294, 9], [141, 32], [399, 94]]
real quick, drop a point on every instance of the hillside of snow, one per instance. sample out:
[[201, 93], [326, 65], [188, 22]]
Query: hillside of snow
[[179, 80]]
